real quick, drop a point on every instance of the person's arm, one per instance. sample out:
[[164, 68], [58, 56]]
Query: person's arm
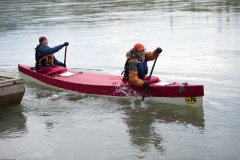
[[133, 74], [43, 51], [150, 56]]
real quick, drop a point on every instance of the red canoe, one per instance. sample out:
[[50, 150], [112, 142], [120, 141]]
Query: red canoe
[[112, 85]]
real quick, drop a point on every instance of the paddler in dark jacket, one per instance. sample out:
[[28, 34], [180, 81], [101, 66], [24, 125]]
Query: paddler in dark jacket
[[136, 68], [45, 55]]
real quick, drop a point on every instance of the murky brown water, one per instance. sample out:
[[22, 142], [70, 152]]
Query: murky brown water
[[200, 42]]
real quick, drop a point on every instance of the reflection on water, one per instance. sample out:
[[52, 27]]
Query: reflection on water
[[12, 122], [142, 133], [183, 115], [141, 123]]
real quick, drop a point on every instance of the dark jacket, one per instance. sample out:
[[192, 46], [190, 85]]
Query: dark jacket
[[42, 51]]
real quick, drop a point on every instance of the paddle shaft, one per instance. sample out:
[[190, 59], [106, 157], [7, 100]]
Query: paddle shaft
[[65, 55], [149, 77]]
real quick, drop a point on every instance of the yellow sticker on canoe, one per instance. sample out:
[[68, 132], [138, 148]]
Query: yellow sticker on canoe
[[191, 100]]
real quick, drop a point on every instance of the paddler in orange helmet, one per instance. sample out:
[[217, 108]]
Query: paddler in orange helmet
[[136, 68]]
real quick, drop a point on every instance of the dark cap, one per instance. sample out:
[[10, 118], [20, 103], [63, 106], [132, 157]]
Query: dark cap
[[41, 39]]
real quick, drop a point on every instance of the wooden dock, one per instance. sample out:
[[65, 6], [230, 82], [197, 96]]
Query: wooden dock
[[11, 91]]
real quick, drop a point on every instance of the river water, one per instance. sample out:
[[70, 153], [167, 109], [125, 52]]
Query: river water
[[200, 42]]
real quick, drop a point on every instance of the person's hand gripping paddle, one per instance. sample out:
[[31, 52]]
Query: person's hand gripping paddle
[[158, 50]]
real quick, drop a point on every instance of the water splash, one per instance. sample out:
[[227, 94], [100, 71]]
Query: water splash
[[143, 105], [133, 96], [129, 93]]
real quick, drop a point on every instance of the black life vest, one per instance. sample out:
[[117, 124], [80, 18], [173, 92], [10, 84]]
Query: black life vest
[[142, 69], [47, 60]]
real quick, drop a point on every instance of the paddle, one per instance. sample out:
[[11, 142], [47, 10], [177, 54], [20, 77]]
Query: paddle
[[65, 56], [149, 77]]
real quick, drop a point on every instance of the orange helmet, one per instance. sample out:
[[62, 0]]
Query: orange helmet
[[138, 47]]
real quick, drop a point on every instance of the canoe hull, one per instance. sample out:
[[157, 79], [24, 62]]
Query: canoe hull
[[112, 85]]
